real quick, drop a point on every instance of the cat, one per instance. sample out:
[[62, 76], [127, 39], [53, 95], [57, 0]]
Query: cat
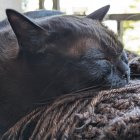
[[53, 56]]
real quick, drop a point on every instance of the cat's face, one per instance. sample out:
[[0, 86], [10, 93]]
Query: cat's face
[[67, 53]]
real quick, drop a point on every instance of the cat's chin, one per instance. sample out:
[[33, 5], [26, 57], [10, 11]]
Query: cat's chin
[[118, 84]]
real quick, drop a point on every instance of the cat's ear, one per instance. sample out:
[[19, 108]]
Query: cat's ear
[[30, 36], [99, 14]]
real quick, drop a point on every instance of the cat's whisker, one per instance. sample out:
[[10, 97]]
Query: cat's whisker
[[73, 92]]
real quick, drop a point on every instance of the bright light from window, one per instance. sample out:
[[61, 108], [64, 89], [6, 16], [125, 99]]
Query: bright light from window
[[48, 4]]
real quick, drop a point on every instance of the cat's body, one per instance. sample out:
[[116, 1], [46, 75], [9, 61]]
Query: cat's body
[[8, 84], [55, 56]]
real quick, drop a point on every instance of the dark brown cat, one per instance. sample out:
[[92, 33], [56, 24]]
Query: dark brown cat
[[55, 56]]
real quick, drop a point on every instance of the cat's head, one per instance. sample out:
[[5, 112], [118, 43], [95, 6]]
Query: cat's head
[[68, 53]]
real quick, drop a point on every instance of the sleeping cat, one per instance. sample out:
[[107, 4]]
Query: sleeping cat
[[55, 56]]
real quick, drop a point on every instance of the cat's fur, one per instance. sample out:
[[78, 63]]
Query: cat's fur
[[8, 47], [55, 56]]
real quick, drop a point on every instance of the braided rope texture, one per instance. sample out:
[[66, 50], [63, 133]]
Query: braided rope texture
[[105, 115]]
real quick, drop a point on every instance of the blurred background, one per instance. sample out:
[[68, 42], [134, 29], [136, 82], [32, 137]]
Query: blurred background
[[123, 18]]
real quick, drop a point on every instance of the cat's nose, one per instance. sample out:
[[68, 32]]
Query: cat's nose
[[126, 75], [124, 69]]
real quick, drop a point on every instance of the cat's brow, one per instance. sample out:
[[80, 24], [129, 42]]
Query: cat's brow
[[81, 28]]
